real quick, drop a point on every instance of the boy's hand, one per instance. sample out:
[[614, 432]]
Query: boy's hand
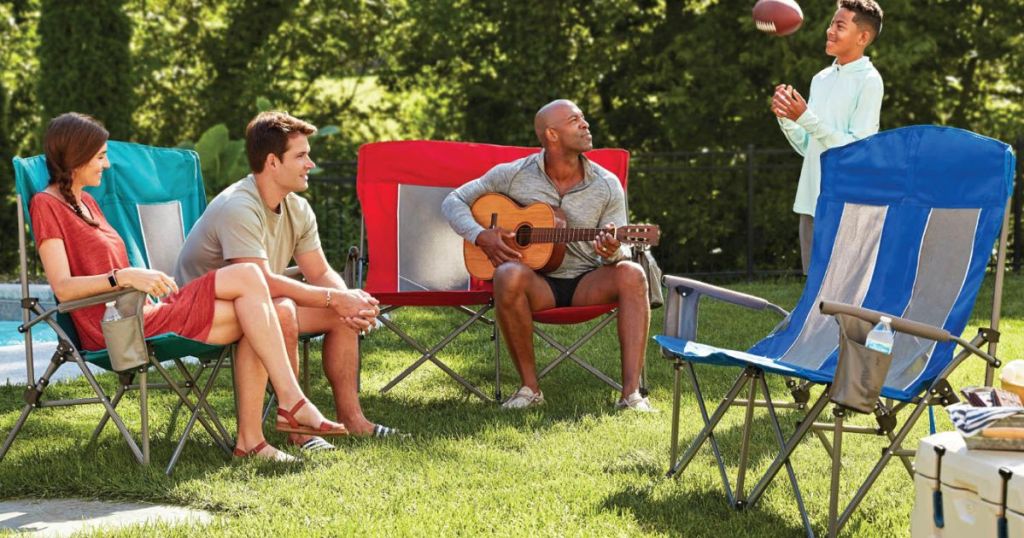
[[788, 103]]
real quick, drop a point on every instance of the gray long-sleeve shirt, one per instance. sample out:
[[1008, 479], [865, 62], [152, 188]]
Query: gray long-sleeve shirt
[[594, 202]]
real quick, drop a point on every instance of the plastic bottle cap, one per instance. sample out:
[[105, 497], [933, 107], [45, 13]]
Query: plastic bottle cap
[[111, 304], [885, 319]]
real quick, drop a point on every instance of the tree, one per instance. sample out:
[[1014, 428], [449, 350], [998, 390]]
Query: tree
[[488, 65], [85, 61], [229, 97]]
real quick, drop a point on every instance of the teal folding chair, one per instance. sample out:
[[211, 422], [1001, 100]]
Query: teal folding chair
[[152, 197]]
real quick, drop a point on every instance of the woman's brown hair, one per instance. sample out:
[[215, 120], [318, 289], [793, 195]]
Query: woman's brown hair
[[71, 140]]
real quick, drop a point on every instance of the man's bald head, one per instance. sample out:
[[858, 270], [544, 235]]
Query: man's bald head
[[547, 115]]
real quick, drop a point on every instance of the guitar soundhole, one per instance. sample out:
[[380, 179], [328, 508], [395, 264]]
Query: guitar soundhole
[[523, 235]]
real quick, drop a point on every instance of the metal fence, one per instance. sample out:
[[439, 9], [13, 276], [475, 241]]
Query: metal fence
[[723, 214]]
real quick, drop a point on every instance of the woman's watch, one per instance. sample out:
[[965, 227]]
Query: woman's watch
[[112, 279]]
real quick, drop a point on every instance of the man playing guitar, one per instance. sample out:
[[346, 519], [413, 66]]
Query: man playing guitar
[[595, 273]]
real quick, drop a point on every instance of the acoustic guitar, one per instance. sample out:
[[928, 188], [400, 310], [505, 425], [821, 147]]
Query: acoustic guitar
[[540, 234]]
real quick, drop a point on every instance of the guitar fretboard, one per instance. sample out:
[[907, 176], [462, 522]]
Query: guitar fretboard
[[556, 235]]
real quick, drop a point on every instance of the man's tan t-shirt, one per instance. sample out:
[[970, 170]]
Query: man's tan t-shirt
[[237, 224]]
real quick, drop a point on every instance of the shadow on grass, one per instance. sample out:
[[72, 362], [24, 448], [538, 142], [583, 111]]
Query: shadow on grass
[[668, 509]]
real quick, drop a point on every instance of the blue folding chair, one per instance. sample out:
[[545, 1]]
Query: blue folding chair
[[152, 197], [904, 226]]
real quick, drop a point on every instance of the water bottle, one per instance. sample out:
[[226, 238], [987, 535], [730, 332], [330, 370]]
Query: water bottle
[[111, 313], [880, 338]]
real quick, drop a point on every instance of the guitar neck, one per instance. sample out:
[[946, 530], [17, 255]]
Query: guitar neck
[[563, 235]]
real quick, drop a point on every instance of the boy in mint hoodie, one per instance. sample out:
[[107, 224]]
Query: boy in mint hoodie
[[844, 104]]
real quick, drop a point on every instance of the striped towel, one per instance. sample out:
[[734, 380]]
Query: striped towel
[[970, 420]]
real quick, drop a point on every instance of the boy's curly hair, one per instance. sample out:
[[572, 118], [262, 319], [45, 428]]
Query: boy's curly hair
[[867, 13]]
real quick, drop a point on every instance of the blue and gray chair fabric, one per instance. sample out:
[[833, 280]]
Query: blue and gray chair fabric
[[152, 197], [905, 226]]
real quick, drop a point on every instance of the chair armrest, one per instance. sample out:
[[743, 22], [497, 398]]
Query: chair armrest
[[106, 297], [76, 304], [684, 300], [914, 328], [686, 286]]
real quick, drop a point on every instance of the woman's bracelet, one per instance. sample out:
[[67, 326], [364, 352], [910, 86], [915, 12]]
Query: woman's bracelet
[[328, 305]]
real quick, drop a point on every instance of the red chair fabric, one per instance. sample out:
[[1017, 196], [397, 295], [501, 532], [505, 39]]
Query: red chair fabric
[[384, 169], [570, 315]]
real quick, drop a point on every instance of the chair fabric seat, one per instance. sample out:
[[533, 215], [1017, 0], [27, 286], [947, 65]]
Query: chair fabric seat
[[571, 315], [432, 298], [167, 346], [704, 354]]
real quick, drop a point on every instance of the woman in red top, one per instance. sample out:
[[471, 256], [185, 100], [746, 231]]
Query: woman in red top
[[83, 256]]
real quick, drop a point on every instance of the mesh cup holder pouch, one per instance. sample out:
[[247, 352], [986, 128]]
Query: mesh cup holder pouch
[[644, 257], [860, 372], [125, 338]]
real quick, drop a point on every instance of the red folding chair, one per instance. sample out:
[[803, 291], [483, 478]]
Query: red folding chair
[[415, 258]]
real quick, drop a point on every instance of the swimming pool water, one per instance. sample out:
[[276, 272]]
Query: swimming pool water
[[9, 335]]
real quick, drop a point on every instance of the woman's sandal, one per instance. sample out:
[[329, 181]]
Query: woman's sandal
[[254, 452], [292, 425]]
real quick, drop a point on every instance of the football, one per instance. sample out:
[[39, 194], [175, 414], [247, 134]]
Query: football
[[777, 17]]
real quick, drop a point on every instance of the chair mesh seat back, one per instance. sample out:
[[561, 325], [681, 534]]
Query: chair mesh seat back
[[905, 224]]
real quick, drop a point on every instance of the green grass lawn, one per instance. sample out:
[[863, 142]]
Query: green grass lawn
[[571, 467]]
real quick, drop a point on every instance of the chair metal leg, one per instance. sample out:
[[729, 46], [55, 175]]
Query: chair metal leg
[[777, 429], [673, 450], [708, 429], [144, 414], [569, 352], [748, 420], [202, 397], [787, 451], [25, 412], [430, 354], [825, 443], [214, 434], [33, 396], [110, 411], [837, 455], [907, 464], [202, 400], [496, 338], [887, 454], [270, 405], [122, 387], [711, 435]]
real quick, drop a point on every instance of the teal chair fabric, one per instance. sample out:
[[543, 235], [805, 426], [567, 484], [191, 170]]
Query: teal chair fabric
[[139, 177]]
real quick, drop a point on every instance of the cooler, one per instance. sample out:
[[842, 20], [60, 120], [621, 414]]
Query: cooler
[[971, 490]]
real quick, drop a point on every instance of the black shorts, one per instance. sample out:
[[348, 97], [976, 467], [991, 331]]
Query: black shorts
[[563, 289]]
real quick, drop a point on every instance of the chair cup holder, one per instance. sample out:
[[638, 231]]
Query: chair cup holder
[[860, 372], [125, 337]]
